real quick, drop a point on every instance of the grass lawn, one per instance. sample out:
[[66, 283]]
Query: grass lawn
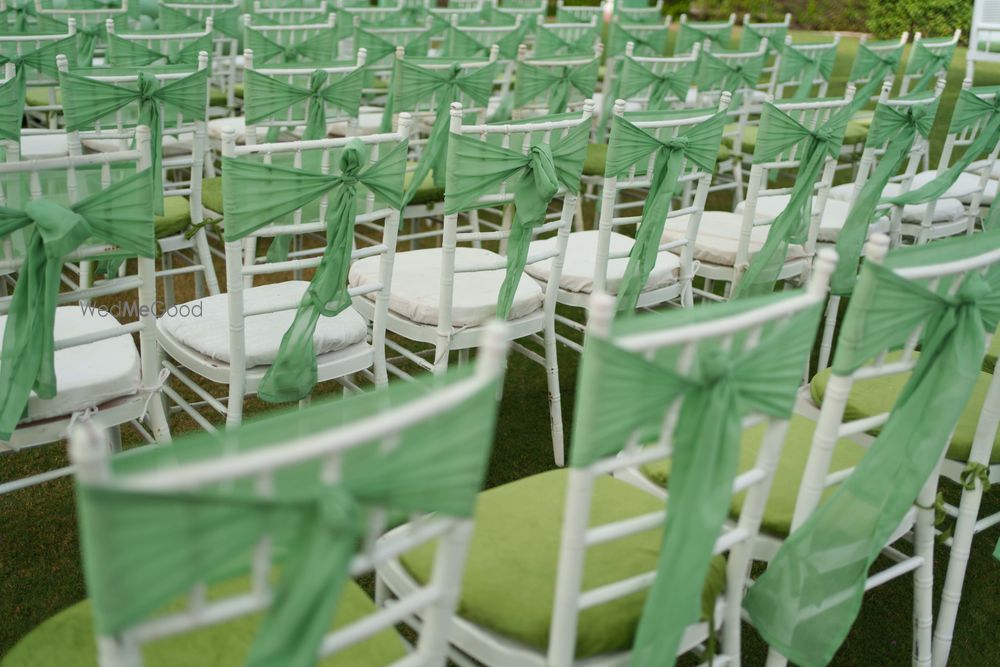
[[40, 560]]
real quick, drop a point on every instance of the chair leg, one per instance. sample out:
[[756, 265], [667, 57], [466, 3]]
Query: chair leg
[[775, 659], [923, 576], [115, 438], [555, 399], [159, 426]]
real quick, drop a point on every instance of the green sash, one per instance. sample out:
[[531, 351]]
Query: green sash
[[266, 96], [535, 81], [321, 47], [128, 53], [805, 67], [928, 63]]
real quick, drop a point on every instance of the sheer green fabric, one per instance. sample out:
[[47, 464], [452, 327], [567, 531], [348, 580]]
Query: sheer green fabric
[[122, 215], [556, 82], [630, 15], [129, 53], [805, 66], [647, 43], [636, 77], [928, 63], [969, 110], [630, 144], [18, 16], [751, 37], [534, 176], [896, 130], [43, 59], [12, 92], [461, 44], [266, 96], [142, 549], [321, 47], [87, 101], [413, 85], [549, 43], [379, 47], [716, 73], [874, 66], [632, 396], [806, 601], [256, 194], [689, 35], [778, 133], [87, 36]]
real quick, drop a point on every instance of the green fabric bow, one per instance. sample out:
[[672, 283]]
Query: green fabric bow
[[633, 396], [751, 37], [461, 44], [88, 101], [778, 133], [128, 53], [43, 59], [689, 36], [636, 77], [256, 194], [969, 110], [714, 73], [16, 16], [929, 63], [267, 96], [379, 47], [534, 81], [321, 47], [647, 42], [630, 144], [121, 214], [808, 598], [535, 178], [874, 66], [489, 15], [805, 66], [629, 15], [412, 84], [548, 43], [174, 540], [12, 92], [897, 130]]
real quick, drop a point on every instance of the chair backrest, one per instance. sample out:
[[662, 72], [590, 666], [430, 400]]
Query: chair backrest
[[620, 426], [302, 42], [532, 11], [156, 47], [985, 32], [806, 68], [475, 41], [35, 54], [648, 38], [736, 73], [227, 24], [325, 484], [619, 209], [373, 16], [774, 33], [555, 84], [280, 97], [930, 58], [291, 14], [877, 59], [566, 39], [719, 33], [121, 180], [578, 13], [643, 79], [89, 21], [641, 14]]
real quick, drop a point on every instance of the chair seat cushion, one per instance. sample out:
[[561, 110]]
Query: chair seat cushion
[[945, 210], [428, 192], [992, 353], [855, 133], [86, 375], [510, 574], [215, 127], [785, 488], [67, 639], [39, 97], [211, 194], [749, 137], [217, 97], [964, 187], [597, 156], [978, 165], [416, 280], [44, 145], [864, 117], [581, 253], [834, 215], [175, 219], [718, 236], [877, 395], [203, 325]]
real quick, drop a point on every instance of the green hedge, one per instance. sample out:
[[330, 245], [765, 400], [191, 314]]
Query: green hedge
[[934, 18]]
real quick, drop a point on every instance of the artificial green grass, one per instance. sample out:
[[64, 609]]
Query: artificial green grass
[[40, 559]]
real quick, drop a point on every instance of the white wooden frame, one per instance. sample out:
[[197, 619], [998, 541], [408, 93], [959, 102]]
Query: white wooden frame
[[436, 600], [769, 73], [225, 56], [934, 45], [569, 32], [243, 264], [985, 32], [84, 18], [486, 647], [127, 409], [819, 84], [540, 107], [287, 34], [194, 253], [32, 42], [613, 62]]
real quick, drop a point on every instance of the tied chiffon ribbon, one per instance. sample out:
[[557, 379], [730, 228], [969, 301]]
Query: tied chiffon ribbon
[[257, 194], [549, 44], [805, 67], [534, 81], [121, 215], [636, 77], [810, 594], [128, 53], [87, 101], [321, 47], [460, 44], [534, 176], [12, 93], [267, 96], [752, 37], [928, 63], [209, 534], [634, 395], [690, 35], [650, 43], [43, 59], [630, 144]]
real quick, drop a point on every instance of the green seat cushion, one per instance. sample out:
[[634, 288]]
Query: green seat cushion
[[175, 219], [785, 487], [593, 164], [211, 194], [39, 97], [510, 575], [864, 117], [877, 395], [856, 133], [238, 90], [67, 639], [217, 97], [427, 193], [749, 138], [992, 352], [725, 152]]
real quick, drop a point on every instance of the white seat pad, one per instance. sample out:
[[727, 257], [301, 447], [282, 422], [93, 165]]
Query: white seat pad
[[416, 284], [964, 187], [946, 210], [581, 253], [203, 325], [976, 166], [45, 145], [86, 375], [215, 127], [718, 236], [834, 215]]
